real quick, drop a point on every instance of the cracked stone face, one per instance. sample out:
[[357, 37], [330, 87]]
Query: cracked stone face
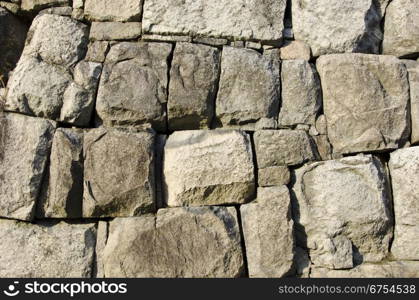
[[118, 173], [202, 242]]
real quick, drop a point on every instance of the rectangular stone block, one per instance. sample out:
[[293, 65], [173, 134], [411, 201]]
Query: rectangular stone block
[[113, 10], [413, 71], [273, 176], [111, 31]]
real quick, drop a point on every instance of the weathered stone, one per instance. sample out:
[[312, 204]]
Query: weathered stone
[[323, 146], [249, 88], [78, 4], [108, 31], [295, 50], [178, 242], [113, 10], [34, 6], [46, 250], [301, 93], [64, 190], [401, 28], [133, 86], [231, 19], [342, 211], [413, 71], [97, 51], [365, 99], [192, 90], [321, 125], [404, 168], [102, 237], [118, 173], [268, 233], [336, 26], [210, 41], [166, 38], [61, 11], [283, 147], [208, 168], [25, 144], [12, 40], [273, 176], [14, 8]]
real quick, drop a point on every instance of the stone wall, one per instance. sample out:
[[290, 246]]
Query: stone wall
[[168, 138]]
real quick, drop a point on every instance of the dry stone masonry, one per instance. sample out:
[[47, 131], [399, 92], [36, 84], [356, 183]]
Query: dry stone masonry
[[211, 139]]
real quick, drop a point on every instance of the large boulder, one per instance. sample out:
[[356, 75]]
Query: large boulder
[[133, 86], [249, 91], [25, 146], [118, 173], [404, 169], [46, 250], [113, 10], [208, 168], [342, 209], [231, 19], [366, 101], [178, 242], [336, 26], [268, 233], [401, 28], [193, 83]]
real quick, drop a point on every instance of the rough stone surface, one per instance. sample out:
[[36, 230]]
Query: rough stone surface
[[107, 31], [113, 10], [97, 51], [179, 242], [404, 168], [12, 40], [118, 173], [413, 71], [25, 144], [365, 99], [301, 93], [208, 168], [34, 6], [249, 87], [273, 176], [268, 233], [64, 190], [192, 90], [102, 237], [231, 19], [336, 26], [401, 28], [283, 147], [46, 250], [295, 50], [133, 86], [342, 210]]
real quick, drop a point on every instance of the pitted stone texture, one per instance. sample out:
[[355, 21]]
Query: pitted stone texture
[[118, 173], [193, 83], [295, 50], [401, 28], [178, 242], [46, 250], [283, 148], [413, 71], [108, 31], [231, 19], [336, 26], [102, 237], [301, 93], [273, 176], [249, 88], [25, 144], [342, 211], [113, 10], [12, 40], [365, 99], [208, 168], [404, 170], [34, 6], [64, 190], [133, 86], [268, 233]]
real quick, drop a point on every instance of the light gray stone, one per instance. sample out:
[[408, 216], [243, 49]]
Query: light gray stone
[[365, 99], [97, 51], [342, 211], [102, 238], [413, 71], [113, 10], [133, 86], [283, 148], [108, 31], [231, 19], [25, 146], [404, 168], [323, 146], [33, 6], [273, 176], [268, 233], [336, 26], [249, 89], [46, 250], [204, 167], [61, 11], [295, 50], [301, 93], [118, 173], [192, 90], [194, 242]]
